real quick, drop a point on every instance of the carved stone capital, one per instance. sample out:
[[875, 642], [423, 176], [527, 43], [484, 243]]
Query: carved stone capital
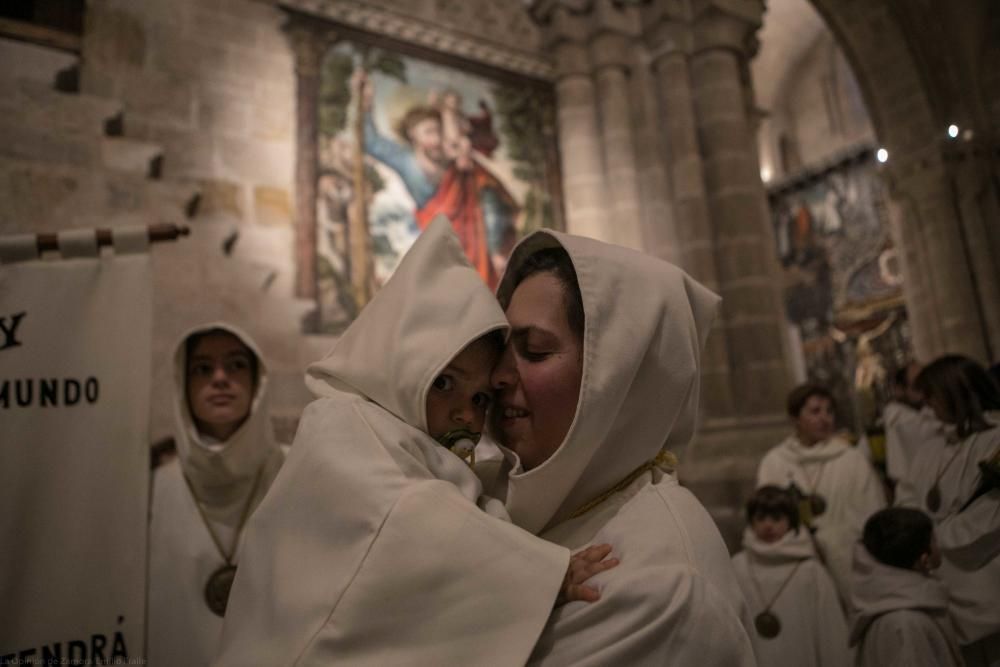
[[612, 49], [727, 24], [667, 37], [571, 59]]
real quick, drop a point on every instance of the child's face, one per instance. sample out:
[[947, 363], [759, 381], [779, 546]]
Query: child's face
[[769, 528], [461, 394]]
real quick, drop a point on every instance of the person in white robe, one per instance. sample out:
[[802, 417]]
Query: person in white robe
[[840, 487], [370, 548], [226, 460], [599, 379], [964, 397], [899, 611], [798, 618], [909, 427]]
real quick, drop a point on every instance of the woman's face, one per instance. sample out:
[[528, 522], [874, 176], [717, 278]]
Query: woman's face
[[538, 376]]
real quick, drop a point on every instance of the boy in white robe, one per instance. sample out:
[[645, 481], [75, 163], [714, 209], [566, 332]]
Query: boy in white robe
[[226, 460], [840, 485], [900, 612], [798, 619], [371, 550]]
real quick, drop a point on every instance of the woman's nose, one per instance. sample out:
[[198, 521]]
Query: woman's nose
[[504, 373]]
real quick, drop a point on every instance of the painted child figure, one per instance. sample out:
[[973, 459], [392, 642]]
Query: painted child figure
[[372, 548], [797, 616], [900, 612]]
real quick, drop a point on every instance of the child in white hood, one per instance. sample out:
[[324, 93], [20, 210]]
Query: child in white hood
[[371, 549], [798, 621], [900, 615], [226, 460], [840, 486]]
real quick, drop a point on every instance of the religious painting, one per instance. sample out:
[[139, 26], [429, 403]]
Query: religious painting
[[843, 283], [402, 139]]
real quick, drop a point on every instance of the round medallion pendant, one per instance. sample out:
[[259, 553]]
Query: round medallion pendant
[[767, 624], [934, 498], [817, 504], [217, 589]]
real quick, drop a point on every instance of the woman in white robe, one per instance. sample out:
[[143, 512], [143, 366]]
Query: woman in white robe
[[822, 464], [209, 489], [786, 579], [963, 396], [370, 548], [588, 397]]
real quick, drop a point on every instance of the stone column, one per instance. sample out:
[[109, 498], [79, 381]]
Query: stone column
[[945, 258], [668, 45], [611, 56], [309, 47], [753, 316], [580, 144]]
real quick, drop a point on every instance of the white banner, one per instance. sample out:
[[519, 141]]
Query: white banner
[[74, 411]]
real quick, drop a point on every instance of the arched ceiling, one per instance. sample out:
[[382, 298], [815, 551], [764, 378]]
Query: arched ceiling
[[790, 28]]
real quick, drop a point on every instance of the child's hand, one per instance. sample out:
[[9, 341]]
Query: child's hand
[[582, 566]]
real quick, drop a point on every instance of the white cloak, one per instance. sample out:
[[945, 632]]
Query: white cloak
[[370, 548], [847, 482], [673, 599], [906, 432], [973, 591], [813, 628], [899, 617], [181, 629]]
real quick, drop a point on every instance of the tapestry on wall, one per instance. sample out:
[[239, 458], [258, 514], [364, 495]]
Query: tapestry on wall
[[435, 138], [843, 284]]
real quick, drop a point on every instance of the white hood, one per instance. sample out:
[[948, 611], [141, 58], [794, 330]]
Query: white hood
[[794, 546], [793, 451], [416, 324], [878, 589], [219, 474], [645, 325]]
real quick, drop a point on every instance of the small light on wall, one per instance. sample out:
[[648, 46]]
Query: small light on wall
[[882, 155], [953, 131], [765, 174]]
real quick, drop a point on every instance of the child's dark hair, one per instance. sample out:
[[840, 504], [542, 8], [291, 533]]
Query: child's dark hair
[[798, 397], [495, 339], [963, 388], [898, 536], [557, 262], [773, 501]]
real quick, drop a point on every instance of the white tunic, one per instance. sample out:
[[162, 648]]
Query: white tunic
[[974, 590], [813, 629], [900, 617], [370, 548], [839, 473], [181, 629], [674, 598], [906, 432]]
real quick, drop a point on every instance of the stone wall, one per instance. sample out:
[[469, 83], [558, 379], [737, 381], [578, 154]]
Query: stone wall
[[817, 113]]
